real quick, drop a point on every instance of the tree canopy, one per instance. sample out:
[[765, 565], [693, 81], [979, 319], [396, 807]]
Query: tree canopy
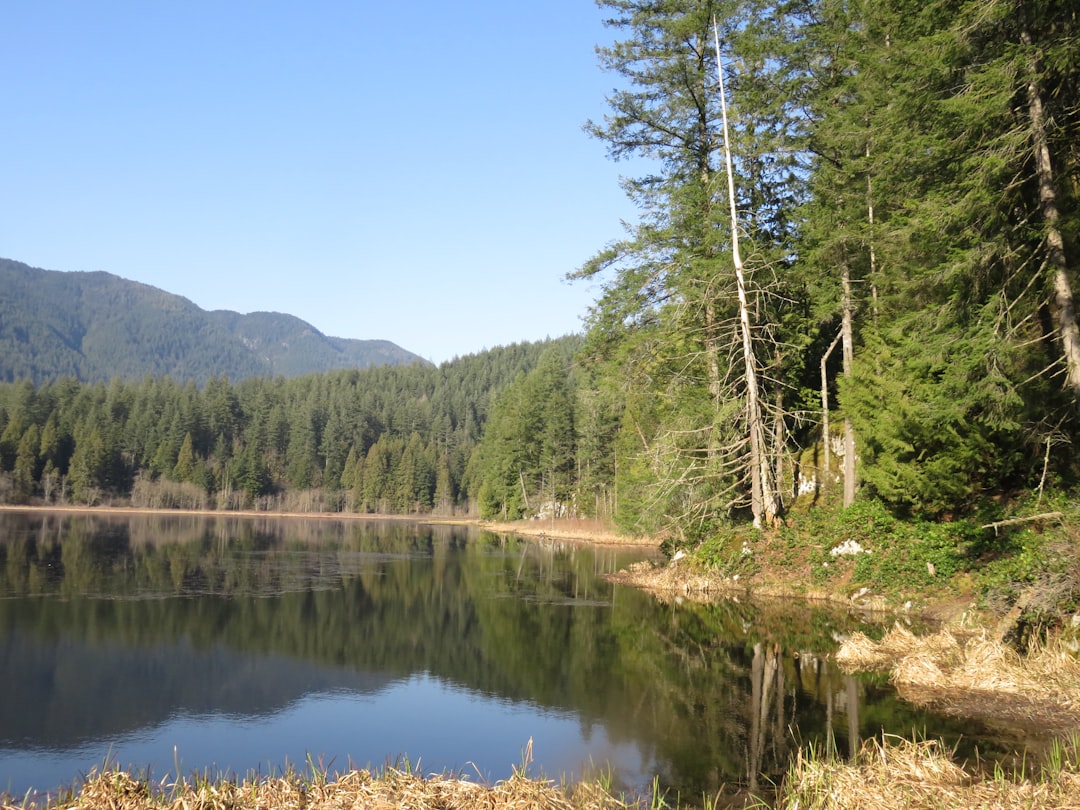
[[905, 178], [854, 264]]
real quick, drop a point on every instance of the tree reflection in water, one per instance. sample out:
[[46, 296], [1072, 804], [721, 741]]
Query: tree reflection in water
[[112, 628]]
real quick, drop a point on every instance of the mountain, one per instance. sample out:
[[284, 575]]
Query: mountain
[[96, 326]]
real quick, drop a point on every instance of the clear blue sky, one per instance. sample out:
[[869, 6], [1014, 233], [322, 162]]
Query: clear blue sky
[[414, 172]]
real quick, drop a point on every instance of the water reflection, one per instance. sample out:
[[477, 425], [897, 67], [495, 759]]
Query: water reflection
[[248, 643]]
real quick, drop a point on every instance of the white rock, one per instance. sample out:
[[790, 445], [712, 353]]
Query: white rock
[[848, 548]]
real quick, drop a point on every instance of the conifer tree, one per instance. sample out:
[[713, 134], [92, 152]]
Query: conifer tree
[[25, 471], [184, 470], [950, 385], [671, 320]]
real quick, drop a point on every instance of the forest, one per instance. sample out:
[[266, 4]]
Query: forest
[[855, 259], [851, 278], [390, 439]]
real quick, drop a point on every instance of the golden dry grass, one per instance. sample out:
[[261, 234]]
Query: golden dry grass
[[974, 676], [588, 530], [911, 776], [675, 580], [356, 790]]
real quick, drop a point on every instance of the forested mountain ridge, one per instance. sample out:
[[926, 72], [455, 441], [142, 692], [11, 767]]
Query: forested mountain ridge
[[96, 326]]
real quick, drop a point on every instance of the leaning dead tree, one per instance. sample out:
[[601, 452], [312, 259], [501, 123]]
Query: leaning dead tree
[[764, 501]]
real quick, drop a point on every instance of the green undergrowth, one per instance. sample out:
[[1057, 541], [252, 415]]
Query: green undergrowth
[[866, 550]]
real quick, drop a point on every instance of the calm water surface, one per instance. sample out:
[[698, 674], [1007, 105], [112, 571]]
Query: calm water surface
[[231, 646]]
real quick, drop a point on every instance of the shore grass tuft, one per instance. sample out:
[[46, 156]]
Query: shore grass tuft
[[971, 675], [906, 775], [390, 789]]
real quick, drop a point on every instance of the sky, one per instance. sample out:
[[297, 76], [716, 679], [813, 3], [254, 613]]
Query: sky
[[414, 172]]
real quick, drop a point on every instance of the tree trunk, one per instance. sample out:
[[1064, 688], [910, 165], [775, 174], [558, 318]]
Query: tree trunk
[[826, 472], [872, 247], [778, 439], [1063, 307], [847, 340], [712, 349], [763, 499]]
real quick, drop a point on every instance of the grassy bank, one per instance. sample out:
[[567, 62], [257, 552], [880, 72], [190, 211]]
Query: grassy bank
[[894, 773], [1007, 585], [968, 674], [359, 789], [1022, 565], [912, 775]]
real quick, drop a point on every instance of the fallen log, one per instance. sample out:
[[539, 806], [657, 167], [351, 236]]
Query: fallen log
[[1013, 521]]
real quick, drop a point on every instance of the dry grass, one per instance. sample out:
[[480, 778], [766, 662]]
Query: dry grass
[[975, 676], [588, 530], [860, 653], [356, 790], [911, 776]]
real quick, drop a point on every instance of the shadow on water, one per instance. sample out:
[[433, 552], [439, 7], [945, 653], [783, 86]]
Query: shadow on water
[[242, 644]]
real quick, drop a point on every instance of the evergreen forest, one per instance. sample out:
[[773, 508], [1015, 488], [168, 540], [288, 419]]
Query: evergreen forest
[[851, 278], [391, 439]]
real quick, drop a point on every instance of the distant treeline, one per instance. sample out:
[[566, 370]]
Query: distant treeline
[[393, 439]]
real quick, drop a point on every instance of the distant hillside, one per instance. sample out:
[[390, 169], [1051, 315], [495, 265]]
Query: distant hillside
[[96, 326]]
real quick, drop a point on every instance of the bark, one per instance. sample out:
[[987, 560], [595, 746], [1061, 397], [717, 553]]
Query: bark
[[1063, 305], [712, 326], [712, 350]]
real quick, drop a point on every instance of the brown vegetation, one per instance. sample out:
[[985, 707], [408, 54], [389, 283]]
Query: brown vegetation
[[886, 774], [911, 775], [589, 530], [358, 789], [968, 674]]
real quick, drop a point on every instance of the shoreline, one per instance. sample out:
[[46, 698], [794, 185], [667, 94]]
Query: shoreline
[[570, 529], [241, 513]]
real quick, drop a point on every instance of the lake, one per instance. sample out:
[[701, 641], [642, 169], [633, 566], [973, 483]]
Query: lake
[[228, 645]]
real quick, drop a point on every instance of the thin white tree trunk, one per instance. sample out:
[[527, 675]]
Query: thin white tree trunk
[[825, 439], [1064, 307], [870, 220], [762, 497], [848, 346]]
